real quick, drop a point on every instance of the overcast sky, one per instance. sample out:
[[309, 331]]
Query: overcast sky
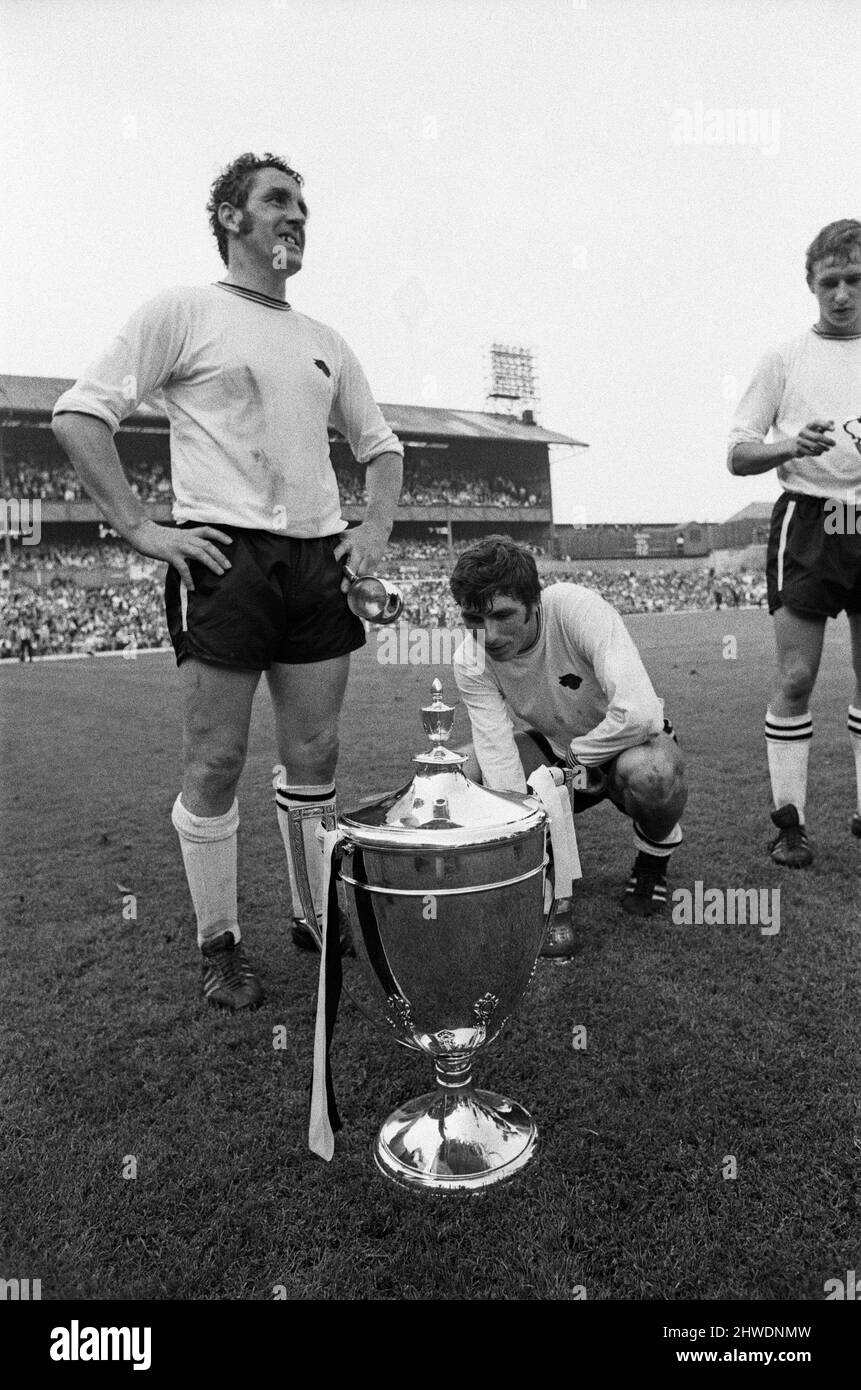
[[565, 175]]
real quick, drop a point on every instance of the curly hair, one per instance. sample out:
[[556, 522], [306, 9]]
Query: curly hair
[[495, 565], [839, 240], [233, 186]]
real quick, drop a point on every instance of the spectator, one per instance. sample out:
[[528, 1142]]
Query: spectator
[[25, 641]]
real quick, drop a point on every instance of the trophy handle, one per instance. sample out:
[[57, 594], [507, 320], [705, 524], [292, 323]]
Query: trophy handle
[[295, 818], [351, 981]]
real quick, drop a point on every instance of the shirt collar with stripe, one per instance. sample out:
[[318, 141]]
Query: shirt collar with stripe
[[253, 294]]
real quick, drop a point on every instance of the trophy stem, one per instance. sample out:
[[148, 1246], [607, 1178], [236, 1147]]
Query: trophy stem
[[457, 1136], [453, 1070]]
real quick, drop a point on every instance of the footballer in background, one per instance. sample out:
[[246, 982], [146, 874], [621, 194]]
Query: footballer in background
[[805, 401]]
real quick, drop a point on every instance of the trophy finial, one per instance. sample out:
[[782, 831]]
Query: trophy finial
[[437, 717]]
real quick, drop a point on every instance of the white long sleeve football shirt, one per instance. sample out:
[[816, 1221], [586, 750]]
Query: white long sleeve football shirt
[[582, 685]]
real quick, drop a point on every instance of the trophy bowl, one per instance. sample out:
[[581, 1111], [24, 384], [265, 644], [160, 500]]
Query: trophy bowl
[[443, 885]]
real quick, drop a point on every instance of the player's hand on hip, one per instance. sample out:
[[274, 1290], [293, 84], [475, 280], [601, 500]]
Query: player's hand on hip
[[814, 439], [362, 548], [177, 547]]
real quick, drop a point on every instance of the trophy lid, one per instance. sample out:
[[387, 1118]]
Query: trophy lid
[[441, 807]]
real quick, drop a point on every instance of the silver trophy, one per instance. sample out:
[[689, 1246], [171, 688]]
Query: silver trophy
[[443, 884], [374, 599]]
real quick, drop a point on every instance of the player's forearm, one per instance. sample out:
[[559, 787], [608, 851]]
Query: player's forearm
[[749, 459], [499, 760], [385, 475], [624, 726], [93, 455]]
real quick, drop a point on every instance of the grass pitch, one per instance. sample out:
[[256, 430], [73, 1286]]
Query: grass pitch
[[703, 1043]]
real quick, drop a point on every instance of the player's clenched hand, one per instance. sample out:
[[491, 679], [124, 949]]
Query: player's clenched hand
[[586, 779], [814, 439], [177, 547], [362, 547]]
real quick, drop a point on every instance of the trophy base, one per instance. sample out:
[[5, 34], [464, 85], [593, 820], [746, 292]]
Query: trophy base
[[460, 1138]]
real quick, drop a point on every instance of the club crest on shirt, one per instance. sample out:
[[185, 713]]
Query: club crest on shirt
[[570, 681], [318, 362]]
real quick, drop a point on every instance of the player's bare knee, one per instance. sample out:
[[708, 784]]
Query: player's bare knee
[[654, 781], [215, 768], [314, 757], [796, 680]]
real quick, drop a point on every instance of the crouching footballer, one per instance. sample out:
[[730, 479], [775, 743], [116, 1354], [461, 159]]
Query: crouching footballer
[[557, 680]]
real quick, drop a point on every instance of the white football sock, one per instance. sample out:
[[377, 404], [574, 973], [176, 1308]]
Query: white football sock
[[855, 740], [662, 849], [787, 739], [208, 846], [314, 804]]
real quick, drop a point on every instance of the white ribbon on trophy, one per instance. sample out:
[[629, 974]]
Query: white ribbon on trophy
[[321, 1134], [563, 837]]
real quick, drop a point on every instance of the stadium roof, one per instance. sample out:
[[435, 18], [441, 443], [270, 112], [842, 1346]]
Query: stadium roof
[[754, 511], [435, 422], [30, 394], [26, 398]]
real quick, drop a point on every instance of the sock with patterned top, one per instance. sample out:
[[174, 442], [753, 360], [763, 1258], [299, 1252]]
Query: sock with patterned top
[[854, 726], [787, 739], [657, 850]]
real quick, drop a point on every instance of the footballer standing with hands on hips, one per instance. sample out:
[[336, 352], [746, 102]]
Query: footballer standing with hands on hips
[[255, 581]]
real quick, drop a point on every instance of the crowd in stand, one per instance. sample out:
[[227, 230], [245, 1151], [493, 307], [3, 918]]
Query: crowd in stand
[[412, 550], [57, 483], [60, 483], [64, 616], [150, 481], [669, 591], [105, 555], [458, 490]]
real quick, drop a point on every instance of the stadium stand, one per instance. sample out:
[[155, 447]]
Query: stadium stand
[[467, 473], [76, 608]]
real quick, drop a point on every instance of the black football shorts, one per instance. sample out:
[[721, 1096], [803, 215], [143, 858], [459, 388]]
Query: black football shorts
[[810, 569], [280, 601]]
